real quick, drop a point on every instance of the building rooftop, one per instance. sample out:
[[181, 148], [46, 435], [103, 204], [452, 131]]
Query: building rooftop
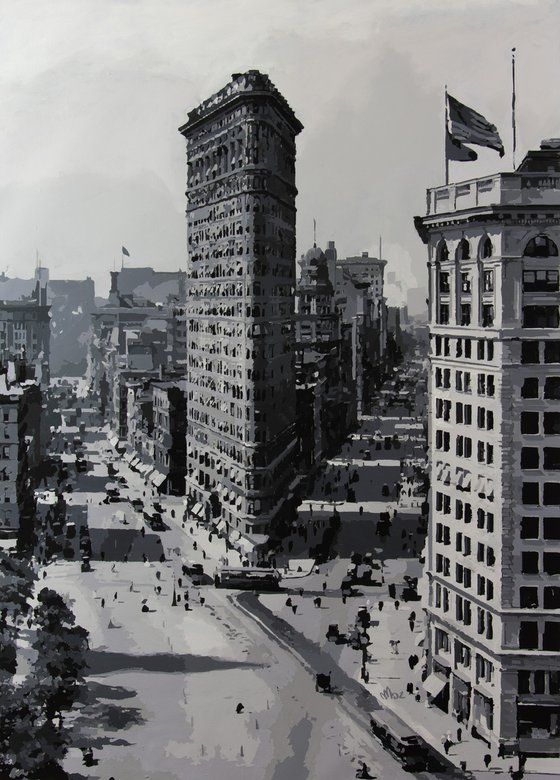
[[534, 184], [253, 82]]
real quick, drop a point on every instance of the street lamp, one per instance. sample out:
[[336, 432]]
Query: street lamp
[[174, 600]]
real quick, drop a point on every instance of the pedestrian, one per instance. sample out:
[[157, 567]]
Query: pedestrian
[[459, 734], [288, 602], [294, 608], [179, 582], [301, 591], [380, 605], [102, 602], [195, 546], [204, 554], [115, 596], [397, 604], [324, 586], [447, 744], [487, 759], [411, 661], [410, 688], [417, 694], [202, 600], [411, 624], [239, 709]]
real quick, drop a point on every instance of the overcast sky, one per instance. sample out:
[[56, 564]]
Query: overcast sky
[[92, 93]]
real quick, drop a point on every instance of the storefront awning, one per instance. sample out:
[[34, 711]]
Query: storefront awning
[[220, 525], [197, 510], [157, 478], [434, 684]]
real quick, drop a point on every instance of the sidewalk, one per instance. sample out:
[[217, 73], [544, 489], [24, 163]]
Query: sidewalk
[[390, 673]]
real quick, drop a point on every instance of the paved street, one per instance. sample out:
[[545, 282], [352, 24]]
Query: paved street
[[189, 719]]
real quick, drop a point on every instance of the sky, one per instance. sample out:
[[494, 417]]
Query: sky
[[92, 93]]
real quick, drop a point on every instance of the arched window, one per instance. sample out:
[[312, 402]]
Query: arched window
[[541, 246], [442, 252], [486, 248], [463, 250]]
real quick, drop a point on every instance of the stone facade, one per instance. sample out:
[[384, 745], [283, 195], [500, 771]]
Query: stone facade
[[493, 554], [239, 307]]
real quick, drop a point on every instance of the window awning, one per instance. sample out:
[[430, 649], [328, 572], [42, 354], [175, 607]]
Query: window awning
[[434, 685], [135, 461]]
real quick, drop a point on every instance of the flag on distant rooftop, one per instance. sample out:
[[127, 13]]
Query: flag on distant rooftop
[[125, 251], [464, 125]]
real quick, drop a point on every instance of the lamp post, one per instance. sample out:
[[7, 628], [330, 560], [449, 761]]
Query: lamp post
[[174, 600]]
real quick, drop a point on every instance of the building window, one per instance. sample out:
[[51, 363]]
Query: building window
[[551, 562], [551, 636], [529, 528], [528, 635], [529, 458], [444, 282], [529, 562], [540, 281], [551, 458], [487, 315], [529, 422], [551, 528], [551, 597], [530, 388], [529, 598], [552, 423], [552, 351], [530, 352], [465, 314], [488, 281], [541, 246], [540, 317], [465, 282], [552, 388], [530, 493], [444, 314], [463, 250]]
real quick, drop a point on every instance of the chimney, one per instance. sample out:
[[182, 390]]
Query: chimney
[[114, 291], [365, 254]]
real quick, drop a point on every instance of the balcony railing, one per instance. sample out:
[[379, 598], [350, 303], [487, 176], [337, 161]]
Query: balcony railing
[[502, 189]]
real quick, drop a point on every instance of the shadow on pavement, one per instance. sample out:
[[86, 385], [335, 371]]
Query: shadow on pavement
[[100, 662]]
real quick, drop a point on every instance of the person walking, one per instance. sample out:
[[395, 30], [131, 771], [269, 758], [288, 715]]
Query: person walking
[[487, 759], [447, 745]]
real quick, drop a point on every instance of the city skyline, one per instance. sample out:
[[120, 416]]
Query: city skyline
[[109, 91]]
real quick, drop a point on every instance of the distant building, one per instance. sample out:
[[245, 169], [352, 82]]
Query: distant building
[[325, 392], [169, 435], [71, 304], [131, 341], [21, 450], [25, 336], [241, 436], [493, 555], [362, 307]]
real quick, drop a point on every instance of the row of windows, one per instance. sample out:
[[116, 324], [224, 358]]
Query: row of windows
[[535, 562], [533, 458], [486, 318], [463, 414], [466, 285], [529, 597], [462, 655], [464, 614], [533, 351], [534, 423], [551, 388], [485, 382], [538, 681], [539, 246], [537, 528], [535, 493], [463, 447], [531, 637], [463, 348]]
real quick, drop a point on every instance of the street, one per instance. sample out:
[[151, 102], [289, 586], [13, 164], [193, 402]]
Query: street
[[166, 682]]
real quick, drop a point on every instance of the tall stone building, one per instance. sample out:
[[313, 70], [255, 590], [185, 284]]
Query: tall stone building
[[240, 302], [493, 554]]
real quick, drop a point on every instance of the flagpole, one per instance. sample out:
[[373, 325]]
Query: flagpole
[[513, 124], [122, 260], [445, 140]]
